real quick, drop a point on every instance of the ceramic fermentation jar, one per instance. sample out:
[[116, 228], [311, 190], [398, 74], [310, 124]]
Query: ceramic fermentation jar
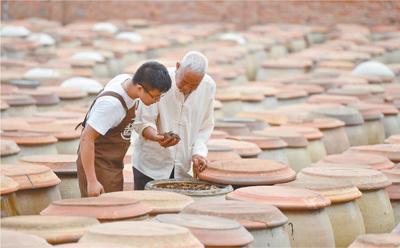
[[265, 222], [247, 172], [141, 234], [64, 166], [37, 186], [161, 202], [12, 239], [102, 208], [308, 225], [344, 212], [394, 191], [55, 229], [374, 203], [211, 231], [7, 195], [387, 240]]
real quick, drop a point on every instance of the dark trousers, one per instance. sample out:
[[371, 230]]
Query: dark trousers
[[140, 180]]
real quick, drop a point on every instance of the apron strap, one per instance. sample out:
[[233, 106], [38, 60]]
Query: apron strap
[[105, 93]]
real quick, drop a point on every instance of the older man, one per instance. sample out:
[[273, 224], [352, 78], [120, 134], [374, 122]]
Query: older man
[[187, 111]]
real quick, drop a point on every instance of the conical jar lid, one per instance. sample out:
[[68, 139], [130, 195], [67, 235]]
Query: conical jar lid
[[309, 133], [95, 245], [19, 100], [61, 132], [11, 239], [320, 123], [210, 230], [251, 215], [244, 149], [264, 142], [391, 151], [159, 201], [394, 139], [29, 138], [142, 234], [30, 176], [251, 123], [336, 99], [283, 197], [216, 153], [218, 134], [247, 172], [102, 208], [8, 185], [359, 93], [363, 179], [336, 191], [347, 115], [394, 177], [59, 163], [55, 229], [9, 147], [375, 161], [232, 128], [291, 137]]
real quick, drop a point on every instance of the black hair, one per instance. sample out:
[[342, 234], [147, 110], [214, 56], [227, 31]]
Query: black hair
[[153, 76]]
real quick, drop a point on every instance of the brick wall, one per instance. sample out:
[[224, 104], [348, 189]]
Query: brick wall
[[242, 13]]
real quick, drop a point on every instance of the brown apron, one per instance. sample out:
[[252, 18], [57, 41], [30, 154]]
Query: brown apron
[[110, 150]]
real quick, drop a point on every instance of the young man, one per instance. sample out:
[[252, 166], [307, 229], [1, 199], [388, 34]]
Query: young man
[[108, 125], [186, 110]]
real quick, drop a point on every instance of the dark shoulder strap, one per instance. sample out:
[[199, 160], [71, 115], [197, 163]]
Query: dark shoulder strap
[[105, 93], [116, 95]]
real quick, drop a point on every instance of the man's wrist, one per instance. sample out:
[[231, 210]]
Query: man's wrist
[[91, 180], [150, 133]]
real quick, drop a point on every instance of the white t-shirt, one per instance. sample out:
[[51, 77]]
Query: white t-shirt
[[108, 111]]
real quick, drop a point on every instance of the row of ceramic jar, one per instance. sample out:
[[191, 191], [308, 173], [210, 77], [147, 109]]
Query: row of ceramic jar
[[376, 214], [16, 144], [305, 213], [378, 126], [271, 142]]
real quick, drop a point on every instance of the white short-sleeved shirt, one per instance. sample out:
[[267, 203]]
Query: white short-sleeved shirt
[[108, 112]]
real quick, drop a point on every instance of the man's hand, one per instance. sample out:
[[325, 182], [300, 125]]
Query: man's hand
[[170, 139], [164, 139], [199, 164], [94, 189]]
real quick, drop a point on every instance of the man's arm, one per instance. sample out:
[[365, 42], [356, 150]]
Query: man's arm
[[145, 121], [88, 138], [200, 150], [145, 125]]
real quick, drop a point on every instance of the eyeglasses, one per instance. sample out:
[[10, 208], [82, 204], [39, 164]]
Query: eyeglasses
[[155, 98]]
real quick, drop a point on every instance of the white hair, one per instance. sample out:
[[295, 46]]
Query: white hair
[[195, 61]]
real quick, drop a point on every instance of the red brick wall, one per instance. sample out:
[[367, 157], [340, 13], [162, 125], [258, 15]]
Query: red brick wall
[[243, 13]]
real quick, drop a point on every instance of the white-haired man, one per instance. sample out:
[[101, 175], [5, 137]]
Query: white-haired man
[[187, 111]]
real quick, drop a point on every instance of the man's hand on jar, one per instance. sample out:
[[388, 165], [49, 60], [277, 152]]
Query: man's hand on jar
[[199, 163]]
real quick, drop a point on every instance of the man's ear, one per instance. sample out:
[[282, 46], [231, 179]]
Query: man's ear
[[139, 87], [178, 65]]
